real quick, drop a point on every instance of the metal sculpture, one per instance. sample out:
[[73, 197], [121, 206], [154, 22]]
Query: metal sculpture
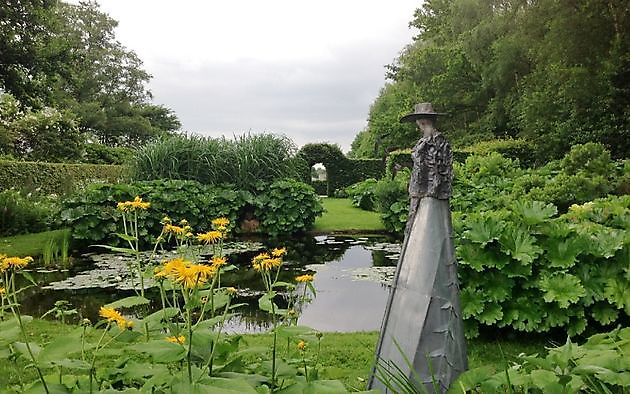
[[422, 333]]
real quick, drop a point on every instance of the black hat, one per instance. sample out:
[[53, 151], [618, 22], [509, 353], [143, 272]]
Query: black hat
[[422, 110]]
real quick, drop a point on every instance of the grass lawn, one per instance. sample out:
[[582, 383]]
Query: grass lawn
[[343, 356], [29, 244], [340, 215]]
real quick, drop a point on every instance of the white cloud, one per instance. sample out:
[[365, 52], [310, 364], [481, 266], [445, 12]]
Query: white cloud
[[307, 69]]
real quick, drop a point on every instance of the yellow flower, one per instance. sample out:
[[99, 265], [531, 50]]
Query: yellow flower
[[231, 291], [218, 262], [188, 275], [279, 252], [204, 272], [210, 237], [3, 291], [257, 261], [112, 315], [180, 339], [301, 346], [14, 262], [171, 267], [220, 222], [304, 278], [137, 203], [166, 220], [170, 228], [183, 222]]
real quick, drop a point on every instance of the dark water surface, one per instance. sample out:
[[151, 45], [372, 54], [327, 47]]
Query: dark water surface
[[351, 279]]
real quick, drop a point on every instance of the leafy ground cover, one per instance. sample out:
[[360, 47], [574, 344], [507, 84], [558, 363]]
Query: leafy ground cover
[[344, 356], [341, 215]]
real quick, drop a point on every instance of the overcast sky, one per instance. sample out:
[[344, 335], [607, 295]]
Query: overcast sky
[[306, 69]]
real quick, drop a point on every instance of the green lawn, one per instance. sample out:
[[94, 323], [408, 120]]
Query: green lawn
[[343, 356], [341, 215], [29, 244]]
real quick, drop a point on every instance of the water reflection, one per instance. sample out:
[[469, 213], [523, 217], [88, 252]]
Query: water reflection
[[351, 276]]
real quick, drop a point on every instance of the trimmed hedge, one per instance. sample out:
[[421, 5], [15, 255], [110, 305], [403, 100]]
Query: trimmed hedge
[[57, 178], [519, 149], [341, 171]]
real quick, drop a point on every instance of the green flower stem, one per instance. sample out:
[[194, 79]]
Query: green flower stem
[[208, 366], [188, 321], [18, 316]]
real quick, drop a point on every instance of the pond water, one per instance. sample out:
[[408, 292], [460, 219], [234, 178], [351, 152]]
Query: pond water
[[352, 276]]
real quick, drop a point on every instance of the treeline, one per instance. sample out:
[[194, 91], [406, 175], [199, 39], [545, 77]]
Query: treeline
[[556, 73], [69, 91]]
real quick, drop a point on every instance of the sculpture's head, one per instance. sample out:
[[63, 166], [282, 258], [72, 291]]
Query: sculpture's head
[[424, 116]]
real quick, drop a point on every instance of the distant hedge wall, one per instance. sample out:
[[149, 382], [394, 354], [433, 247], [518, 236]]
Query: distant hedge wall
[[56, 178], [341, 171]]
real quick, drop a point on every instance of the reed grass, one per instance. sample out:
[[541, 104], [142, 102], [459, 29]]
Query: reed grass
[[244, 161]]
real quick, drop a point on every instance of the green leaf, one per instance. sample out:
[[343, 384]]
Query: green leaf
[[115, 249], [491, 313], [62, 347], [128, 302], [161, 351], [617, 291], [562, 253], [604, 313], [125, 237], [520, 245], [534, 212], [561, 287], [294, 331], [547, 381], [483, 228], [478, 258]]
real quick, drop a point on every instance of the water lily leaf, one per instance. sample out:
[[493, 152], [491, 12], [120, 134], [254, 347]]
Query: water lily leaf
[[128, 302], [561, 287]]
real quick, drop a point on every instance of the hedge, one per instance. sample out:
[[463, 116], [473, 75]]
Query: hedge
[[58, 178], [341, 171], [511, 148]]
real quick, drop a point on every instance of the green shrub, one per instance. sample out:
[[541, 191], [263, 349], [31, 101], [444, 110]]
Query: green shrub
[[392, 199], [592, 158], [102, 154], [515, 149], [397, 160], [243, 162], [21, 214], [362, 194], [283, 207], [597, 366], [321, 187], [55, 178], [524, 268], [286, 207]]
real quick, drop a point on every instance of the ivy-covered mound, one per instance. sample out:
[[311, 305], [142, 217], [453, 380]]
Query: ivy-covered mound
[[280, 207]]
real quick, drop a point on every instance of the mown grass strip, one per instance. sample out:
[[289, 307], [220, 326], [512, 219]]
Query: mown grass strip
[[341, 215]]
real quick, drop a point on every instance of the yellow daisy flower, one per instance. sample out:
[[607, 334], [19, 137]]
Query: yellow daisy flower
[[279, 252], [304, 278], [218, 262], [221, 222], [210, 236], [301, 346]]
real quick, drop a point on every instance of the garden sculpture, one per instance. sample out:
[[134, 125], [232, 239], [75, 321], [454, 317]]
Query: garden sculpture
[[422, 331]]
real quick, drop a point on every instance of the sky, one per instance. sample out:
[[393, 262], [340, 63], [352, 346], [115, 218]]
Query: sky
[[305, 69]]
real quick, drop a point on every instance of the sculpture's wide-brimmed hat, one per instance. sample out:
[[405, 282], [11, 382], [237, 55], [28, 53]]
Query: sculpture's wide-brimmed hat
[[421, 110]]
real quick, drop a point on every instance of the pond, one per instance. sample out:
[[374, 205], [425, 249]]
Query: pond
[[352, 276]]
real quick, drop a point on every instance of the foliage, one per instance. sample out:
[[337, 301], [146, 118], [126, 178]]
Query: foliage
[[510, 69], [182, 347], [244, 161], [514, 149], [55, 178], [282, 207], [286, 207], [392, 200], [45, 134], [340, 171], [362, 194], [600, 365], [397, 160], [30, 213], [102, 154], [66, 56]]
